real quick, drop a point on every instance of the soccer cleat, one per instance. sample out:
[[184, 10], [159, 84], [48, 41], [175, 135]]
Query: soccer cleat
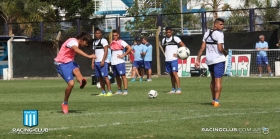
[[118, 93], [140, 79], [213, 101], [271, 74], [125, 93], [178, 92], [64, 108], [109, 94], [133, 80], [149, 80], [216, 104], [101, 94], [83, 83], [171, 92], [260, 75]]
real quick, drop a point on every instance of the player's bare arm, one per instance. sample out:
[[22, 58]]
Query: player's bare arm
[[79, 51], [128, 50], [104, 56], [221, 49], [200, 52]]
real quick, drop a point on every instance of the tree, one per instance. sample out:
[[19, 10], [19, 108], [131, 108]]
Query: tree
[[25, 11], [145, 15]]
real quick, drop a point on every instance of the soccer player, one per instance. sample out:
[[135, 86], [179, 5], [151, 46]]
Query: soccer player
[[100, 64], [213, 41], [261, 47], [148, 51], [118, 63], [170, 44], [138, 62], [66, 66]]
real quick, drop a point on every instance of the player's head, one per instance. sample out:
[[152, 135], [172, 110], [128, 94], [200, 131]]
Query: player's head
[[84, 39], [115, 34], [97, 33], [168, 32], [219, 24], [144, 40], [262, 38], [138, 40]]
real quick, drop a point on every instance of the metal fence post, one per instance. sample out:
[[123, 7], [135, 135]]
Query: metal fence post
[[6, 29], [251, 20], [41, 31], [78, 26], [118, 24], [203, 22]]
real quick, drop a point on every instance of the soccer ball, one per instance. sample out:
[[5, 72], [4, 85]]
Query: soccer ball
[[152, 94], [183, 53], [98, 85]]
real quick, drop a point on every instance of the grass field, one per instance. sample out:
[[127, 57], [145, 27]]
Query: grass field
[[247, 104]]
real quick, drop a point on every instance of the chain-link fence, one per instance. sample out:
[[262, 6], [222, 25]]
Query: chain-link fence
[[191, 23]]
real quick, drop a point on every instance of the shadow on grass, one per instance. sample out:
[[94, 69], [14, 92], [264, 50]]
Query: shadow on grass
[[72, 111], [205, 103]]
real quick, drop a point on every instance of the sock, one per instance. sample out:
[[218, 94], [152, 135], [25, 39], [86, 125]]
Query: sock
[[119, 90], [125, 90], [213, 99], [178, 88], [173, 89], [109, 91], [66, 103], [216, 100], [103, 92]]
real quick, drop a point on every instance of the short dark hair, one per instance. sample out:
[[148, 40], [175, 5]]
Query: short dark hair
[[116, 31], [219, 20], [168, 28], [85, 37], [97, 29]]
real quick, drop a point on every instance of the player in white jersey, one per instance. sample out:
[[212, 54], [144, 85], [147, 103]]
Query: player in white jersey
[[101, 63], [170, 44], [213, 41]]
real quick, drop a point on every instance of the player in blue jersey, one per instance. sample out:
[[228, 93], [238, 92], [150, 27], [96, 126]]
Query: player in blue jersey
[[261, 47], [138, 59], [148, 53]]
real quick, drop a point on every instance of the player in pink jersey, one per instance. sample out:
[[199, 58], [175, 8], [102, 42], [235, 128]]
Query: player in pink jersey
[[66, 66]]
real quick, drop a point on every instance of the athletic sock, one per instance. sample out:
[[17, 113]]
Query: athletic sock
[[66, 103], [216, 100], [178, 88], [119, 90], [125, 90], [103, 92]]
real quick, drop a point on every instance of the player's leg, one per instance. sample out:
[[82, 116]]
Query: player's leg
[[259, 63], [265, 60], [176, 79], [219, 70], [118, 79], [104, 72], [212, 83], [79, 76], [134, 71], [122, 72], [147, 65], [141, 67], [66, 73], [98, 75], [168, 69]]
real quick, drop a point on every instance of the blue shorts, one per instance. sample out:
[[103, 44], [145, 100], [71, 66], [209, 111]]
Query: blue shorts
[[218, 69], [261, 60], [171, 66], [101, 71], [66, 70], [138, 64], [148, 64], [119, 69]]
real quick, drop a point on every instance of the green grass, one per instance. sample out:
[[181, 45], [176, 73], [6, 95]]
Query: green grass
[[245, 103]]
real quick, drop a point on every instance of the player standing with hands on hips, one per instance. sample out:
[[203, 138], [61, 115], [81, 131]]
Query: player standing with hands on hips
[[118, 63], [170, 44], [66, 66], [213, 41]]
